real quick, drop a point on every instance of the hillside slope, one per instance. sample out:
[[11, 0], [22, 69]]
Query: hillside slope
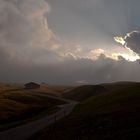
[[18, 105], [83, 92], [110, 116]]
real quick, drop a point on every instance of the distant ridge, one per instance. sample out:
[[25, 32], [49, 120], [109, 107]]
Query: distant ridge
[[83, 92]]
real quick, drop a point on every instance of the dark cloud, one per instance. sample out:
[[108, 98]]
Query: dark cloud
[[130, 41], [133, 41], [71, 71]]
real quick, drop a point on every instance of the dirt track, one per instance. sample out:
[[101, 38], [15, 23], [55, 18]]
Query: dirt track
[[25, 131]]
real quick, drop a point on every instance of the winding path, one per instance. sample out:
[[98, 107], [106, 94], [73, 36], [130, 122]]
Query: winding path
[[25, 131]]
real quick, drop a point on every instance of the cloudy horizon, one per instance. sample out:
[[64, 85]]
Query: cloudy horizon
[[69, 42]]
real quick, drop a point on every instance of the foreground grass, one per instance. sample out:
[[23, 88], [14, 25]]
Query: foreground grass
[[18, 105], [110, 116]]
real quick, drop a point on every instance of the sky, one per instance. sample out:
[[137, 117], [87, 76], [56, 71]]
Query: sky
[[69, 42]]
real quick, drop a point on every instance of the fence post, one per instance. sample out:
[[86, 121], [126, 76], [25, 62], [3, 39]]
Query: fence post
[[64, 113], [54, 118]]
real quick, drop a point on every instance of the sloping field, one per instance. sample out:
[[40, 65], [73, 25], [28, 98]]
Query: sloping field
[[109, 116], [18, 104]]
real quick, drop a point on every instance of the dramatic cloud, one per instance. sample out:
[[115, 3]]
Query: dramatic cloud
[[31, 48], [24, 32], [130, 41], [71, 71], [27, 39]]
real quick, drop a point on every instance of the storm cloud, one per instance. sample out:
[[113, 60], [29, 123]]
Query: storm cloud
[[130, 41], [71, 71], [24, 32], [133, 41], [32, 46]]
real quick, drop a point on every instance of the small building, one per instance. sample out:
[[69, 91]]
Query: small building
[[32, 85]]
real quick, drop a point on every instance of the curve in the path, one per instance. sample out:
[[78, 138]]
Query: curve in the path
[[25, 131]]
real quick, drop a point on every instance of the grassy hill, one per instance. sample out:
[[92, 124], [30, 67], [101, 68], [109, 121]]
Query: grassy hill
[[111, 116], [55, 90], [83, 92], [18, 105]]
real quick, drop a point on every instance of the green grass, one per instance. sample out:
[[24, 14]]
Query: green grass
[[110, 116]]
